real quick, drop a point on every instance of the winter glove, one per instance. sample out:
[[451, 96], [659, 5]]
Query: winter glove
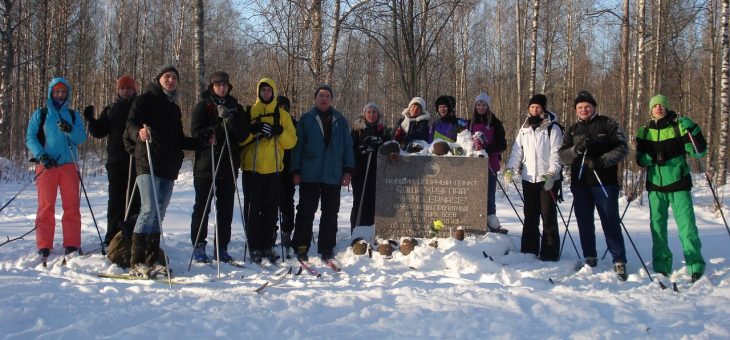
[[479, 140], [370, 144], [645, 160], [687, 124], [47, 161], [508, 176], [399, 134], [581, 144], [549, 179], [64, 126], [89, 112], [266, 130]]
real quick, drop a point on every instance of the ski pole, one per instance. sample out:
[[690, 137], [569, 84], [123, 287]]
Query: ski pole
[[208, 202], [235, 185], [582, 165], [23, 189], [629, 199], [709, 182], [508, 200], [639, 255], [213, 209], [278, 194], [157, 203], [248, 204], [83, 187], [364, 186], [600, 183], [518, 192], [567, 231], [17, 238]]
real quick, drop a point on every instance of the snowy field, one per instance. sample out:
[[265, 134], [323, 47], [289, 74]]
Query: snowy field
[[452, 292]]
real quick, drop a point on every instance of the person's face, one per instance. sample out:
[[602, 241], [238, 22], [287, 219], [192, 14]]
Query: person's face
[[220, 89], [59, 93], [168, 81], [658, 111], [371, 115], [443, 110], [125, 92], [414, 111], [323, 99], [535, 110], [266, 93], [584, 110], [482, 107]]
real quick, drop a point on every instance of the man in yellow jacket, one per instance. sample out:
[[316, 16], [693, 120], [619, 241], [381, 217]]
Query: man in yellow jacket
[[262, 155]]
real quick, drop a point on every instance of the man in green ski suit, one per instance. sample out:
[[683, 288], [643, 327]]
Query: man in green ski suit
[[661, 146]]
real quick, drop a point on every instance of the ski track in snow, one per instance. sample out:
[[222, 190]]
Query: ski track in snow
[[449, 292]]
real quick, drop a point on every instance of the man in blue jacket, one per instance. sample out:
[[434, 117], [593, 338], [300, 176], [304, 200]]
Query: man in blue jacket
[[322, 161], [53, 134]]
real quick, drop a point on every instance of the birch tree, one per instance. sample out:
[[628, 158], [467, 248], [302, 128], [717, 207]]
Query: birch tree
[[724, 99]]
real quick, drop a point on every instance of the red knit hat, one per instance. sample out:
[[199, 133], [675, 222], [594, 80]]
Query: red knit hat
[[59, 84], [126, 81]]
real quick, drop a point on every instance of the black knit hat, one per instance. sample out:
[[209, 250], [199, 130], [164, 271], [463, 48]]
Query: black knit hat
[[585, 96], [538, 99], [283, 101], [324, 87], [165, 69]]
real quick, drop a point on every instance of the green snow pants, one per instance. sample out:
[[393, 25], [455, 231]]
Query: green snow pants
[[684, 215]]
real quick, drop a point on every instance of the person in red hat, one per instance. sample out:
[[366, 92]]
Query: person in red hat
[[119, 164]]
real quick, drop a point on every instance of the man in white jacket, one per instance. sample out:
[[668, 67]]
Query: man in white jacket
[[535, 155]]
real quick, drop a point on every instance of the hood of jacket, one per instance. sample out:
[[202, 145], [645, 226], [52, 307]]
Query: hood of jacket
[[54, 82], [259, 103]]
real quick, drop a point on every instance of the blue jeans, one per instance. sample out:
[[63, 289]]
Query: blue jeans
[[586, 200], [147, 219], [491, 193]]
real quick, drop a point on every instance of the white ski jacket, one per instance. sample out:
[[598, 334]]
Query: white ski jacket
[[535, 151]]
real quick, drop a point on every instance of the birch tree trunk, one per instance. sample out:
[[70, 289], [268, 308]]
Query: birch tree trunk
[[199, 55], [7, 65], [533, 54], [639, 75], [624, 81], [520, 57], [712, 83], [315, 64], [724, 100]]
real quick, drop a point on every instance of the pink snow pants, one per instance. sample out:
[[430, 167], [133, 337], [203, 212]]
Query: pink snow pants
[[63, 177]]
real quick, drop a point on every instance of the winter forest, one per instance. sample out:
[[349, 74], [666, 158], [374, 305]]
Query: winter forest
[[383, 51]]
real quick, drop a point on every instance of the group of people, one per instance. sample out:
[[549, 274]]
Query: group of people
[[320, 153], [592, 148]]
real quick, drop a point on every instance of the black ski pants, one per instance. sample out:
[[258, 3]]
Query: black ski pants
[[118, 176], [286, 202], [260, 207], [540, 203], [225, 191], [309, 197]]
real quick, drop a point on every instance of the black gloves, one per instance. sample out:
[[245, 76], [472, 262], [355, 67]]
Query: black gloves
[[89, 112], [47, 161], [267, 130], [64, 126], [581, 144], [207, 134], [370, 144]]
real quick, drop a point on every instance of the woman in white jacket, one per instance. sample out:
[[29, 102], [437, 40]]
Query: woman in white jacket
[[535, 155]]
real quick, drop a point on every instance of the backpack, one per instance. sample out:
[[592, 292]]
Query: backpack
[[42, 134]]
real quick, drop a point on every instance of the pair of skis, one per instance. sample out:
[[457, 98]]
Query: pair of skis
[[282, 274]]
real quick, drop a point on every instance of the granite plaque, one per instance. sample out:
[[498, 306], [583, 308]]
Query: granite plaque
[[413, 192]]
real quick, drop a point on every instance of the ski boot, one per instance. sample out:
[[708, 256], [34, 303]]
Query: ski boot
[[199, 253], [620, 269]]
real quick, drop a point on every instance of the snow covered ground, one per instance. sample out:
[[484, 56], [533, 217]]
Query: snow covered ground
[[449, 292]]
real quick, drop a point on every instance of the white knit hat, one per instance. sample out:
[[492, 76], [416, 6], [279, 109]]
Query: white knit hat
[[418, 100]]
